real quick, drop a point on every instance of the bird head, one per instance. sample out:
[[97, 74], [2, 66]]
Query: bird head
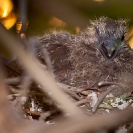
[[110, 36]]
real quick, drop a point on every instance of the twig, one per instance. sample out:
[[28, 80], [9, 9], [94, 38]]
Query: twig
[[83, 101], [46, 57], [33, 44], [102, 83], [89, 88], [12, 70], [15, 91], [15, 80], [44, 116], [94, 109], [26, 81], [67, 88]]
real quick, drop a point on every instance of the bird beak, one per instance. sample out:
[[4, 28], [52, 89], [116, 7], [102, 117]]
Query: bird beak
[[108, 51]]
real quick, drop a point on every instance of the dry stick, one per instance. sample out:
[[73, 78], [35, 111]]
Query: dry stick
[[89, 88], [26, 81], [110, 83], [66, 88], [15, 80], [83, 101], [48, 61], [32, 46], [94, 109], [47, 114], [43, 78], [15, 91], [12, 70]]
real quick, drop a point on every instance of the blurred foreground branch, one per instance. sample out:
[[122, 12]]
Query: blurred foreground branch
[[39, 75]]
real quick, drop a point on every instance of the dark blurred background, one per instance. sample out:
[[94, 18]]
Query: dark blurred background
[[70, 15]]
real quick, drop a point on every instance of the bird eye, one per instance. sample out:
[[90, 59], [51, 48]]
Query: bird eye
[[122, 38]]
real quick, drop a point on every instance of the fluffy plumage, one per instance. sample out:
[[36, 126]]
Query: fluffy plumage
[[99, 53]]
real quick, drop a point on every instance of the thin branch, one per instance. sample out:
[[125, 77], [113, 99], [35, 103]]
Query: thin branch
[[94, 109], [46, 57], [67, 88], [12, 70], [15, 80], [103, 83], [83, 101]]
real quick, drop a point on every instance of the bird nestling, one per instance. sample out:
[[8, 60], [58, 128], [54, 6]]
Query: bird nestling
[[100, 53]]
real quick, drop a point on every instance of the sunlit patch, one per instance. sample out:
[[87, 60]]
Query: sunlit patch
[[6, 7], [131, 42], [56, 22], [130, 38], [9, 21]]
